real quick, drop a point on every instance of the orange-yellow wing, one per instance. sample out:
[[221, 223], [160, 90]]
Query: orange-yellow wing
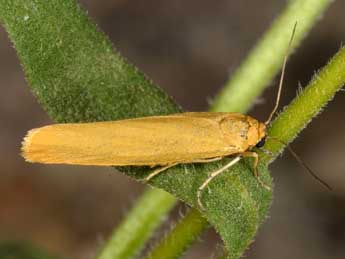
[[157, 140]]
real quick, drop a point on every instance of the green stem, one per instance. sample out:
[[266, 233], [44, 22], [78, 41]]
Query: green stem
[[307, 104], [265, 60], [130, 237], [187, 230]]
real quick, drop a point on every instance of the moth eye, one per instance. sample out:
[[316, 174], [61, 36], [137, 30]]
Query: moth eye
[[261, 143]]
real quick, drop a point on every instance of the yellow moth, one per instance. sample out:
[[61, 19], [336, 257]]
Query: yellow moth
[[192, 137], [165, 141], [158, 140]]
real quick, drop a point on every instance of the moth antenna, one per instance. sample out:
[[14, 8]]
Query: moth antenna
[[303, 164], [282, 76]]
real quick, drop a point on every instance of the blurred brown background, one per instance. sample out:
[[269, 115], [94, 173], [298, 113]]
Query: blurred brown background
[[189, 48]]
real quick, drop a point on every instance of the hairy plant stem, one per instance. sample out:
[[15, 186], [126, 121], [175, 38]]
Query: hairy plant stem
[[306, 105], [187, 230]]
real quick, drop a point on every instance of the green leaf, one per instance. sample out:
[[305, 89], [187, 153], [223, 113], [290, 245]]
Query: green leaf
[[77, 76]]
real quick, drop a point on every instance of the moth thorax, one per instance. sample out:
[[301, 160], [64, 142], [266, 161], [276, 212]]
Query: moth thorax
[[235, 131], [242, 131]]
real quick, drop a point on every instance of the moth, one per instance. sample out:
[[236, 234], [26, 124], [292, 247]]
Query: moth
[[192, 137], [163, 141]]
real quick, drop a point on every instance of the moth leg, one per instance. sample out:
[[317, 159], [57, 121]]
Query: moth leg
[[256, 173], [161, 169], [158, 171], [212, 176]]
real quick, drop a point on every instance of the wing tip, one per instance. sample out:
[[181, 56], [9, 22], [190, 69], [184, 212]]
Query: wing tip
[[26, 145]]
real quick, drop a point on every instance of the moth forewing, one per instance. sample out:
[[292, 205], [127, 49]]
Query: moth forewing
[[157, 140]]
